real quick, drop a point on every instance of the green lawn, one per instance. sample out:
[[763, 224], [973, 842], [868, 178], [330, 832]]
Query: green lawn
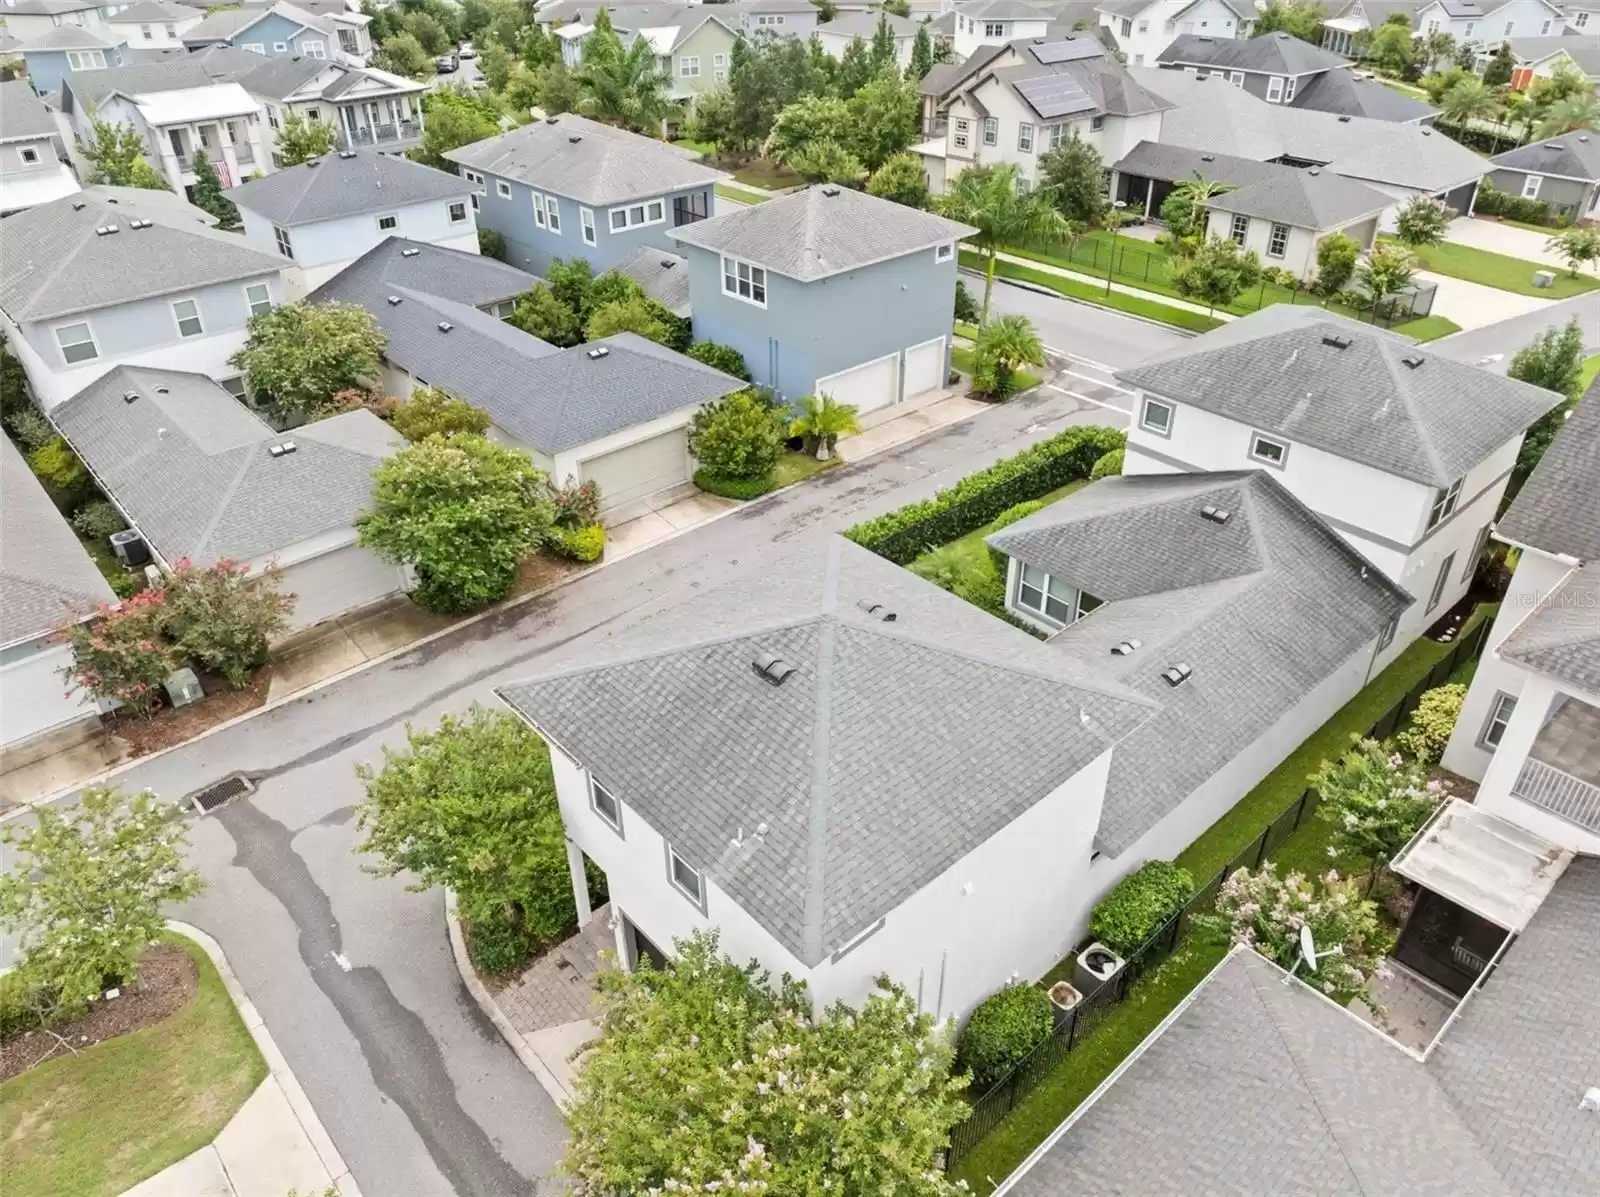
[[699, 147], [1591, 368], [969, 331], [759, 172], [1134, 305], [1500, 271], [1427, 328], [96, 1123], [1155, 996], [739, 195], [792, 467], [968, 558], [962, 360]]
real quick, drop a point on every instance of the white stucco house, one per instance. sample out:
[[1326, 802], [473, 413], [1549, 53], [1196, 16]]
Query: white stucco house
[[1142, 29], [153, 24], [32, 171], [835, 37]]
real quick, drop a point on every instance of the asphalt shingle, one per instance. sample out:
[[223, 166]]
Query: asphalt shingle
[[1558, 508], [664, 277], [1561, 636], [22, 114], [1573, 155], [1342, 94], [347, 183], [1276, 53], [1307, 199]]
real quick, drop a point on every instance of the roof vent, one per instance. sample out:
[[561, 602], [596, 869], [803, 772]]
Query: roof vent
[[394, 301], [105, 230], [1217, 515], [1126, 648], [78, 205], [410, 253], [877, 610], [1426, 132], [1344, 120], [830, 191], [445, 326], [347, 153], [667, 263], [1334, 341], [1208, 157], [282, 449], [598, 351], [1176, 675], [129, 396], [772, 668], [313, 162], [574, 138], [1315, 170], [1583, 137], [1412, 361], [162, 391], [550, 120]]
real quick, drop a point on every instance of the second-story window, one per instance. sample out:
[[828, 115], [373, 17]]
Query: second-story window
[[685, 878], [388, 223], [28, 154], [77, 344], [605, 805], [1025, 137], [147, 33], [187, 314], [458, 212], [744, 281], [991, 130], [502, 189], [636, 215], [962, 128], [943, 253], [586, 224], [285, 245], [689, 66], [1444, 503], [994, 29], [1264, 448], [1156, 416], [1096, 124], [259, 299]]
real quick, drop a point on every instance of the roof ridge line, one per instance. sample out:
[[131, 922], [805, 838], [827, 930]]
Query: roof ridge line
[[821, 771], [1424, 433], [227, 496]]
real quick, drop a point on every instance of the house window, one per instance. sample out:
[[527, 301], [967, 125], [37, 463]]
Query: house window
[[1530, 186], [259, 299], [637, 215], [1275, 89], [1144, 26], [172, 31], [943, 253], [685, 878], [552, 214], [586, 222], [187, 312], [280, 47], [29, 155], [655, 211], [313, 114], [1264, 448], [994, 29], [254, 48], [1127, 26], [744, 281], [86, 60], [962, 126], [1444, 502], [538, 209], [1236, 78], [1278, 241], [1288, 90], [689, 66], [285, 246], [1477, 552], [1510, 25], [77, 344], [234, 386], [1046, 596], [1467, 32], [313, 49], [1240, 228], [147, 33], [458, 212], [1386, 635], [477, 201], [502, 189], [1096, 124], [1581, 19], [1500, 713], [388, 223], [690, 209], [605, 805], [1156, 416], [1025, 137], [991, 130], [1544, 30], [1440, 583]]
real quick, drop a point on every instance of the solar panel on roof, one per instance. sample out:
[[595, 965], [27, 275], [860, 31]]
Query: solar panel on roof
[[1057, 95], [1068, 49]]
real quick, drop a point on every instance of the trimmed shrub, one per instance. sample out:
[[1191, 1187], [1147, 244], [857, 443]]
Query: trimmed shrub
[[1491, 202], [1004, 520], [431, 411], [1004, 1028], [1425, 736], [98, 520], [1109, 466], [966, 310], [578, 544], [59, 468], [577, 503], [739, 435], [495, 943], [909, 531], [733, 488], [720, 357], [31, 429], [1140, 905], [492, 245]]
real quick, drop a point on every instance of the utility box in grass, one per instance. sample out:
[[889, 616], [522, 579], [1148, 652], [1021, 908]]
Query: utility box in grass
[[1544, 278]]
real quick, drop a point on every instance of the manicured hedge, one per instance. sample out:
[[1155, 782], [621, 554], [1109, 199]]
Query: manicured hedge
[[1109, 466], [733, 488], [1004, 520], [1140, 904], [909, 531], [580, 544], [1004, 1028]]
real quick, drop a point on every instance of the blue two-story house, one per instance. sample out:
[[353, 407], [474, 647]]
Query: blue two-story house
[[568, 187], [829, 291], [66, 48]]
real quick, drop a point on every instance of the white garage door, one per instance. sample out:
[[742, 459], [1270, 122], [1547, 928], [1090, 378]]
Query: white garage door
[[629, 474], [337, 582], [924, 367], [33, 698], [867, 387]]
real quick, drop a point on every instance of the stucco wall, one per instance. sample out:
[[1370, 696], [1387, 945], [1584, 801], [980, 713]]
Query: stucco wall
[[1558, 193], [325, 247]]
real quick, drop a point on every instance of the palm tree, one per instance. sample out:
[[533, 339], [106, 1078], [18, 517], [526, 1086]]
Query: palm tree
[[1468, 100], [622, 87], [1004, 345], [987, 198], [822, 422], [1581, 111]]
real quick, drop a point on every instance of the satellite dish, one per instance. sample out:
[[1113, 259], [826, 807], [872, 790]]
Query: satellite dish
[[1309, 954]]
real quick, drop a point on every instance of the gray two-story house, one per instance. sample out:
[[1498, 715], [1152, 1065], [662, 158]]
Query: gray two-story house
[[829, 291], [568, 187], [31, 167]]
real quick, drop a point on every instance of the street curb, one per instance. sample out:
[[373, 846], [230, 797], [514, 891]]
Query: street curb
[[305, 1114], [491, 1008], [1049, 293]]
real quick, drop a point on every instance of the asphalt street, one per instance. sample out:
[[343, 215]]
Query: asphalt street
[[353, 973], [1494, 346]]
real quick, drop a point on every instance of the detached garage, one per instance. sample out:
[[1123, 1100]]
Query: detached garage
[[640, 469]]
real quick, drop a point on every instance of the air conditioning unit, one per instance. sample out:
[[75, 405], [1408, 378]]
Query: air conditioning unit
[[130, 548], [1095, 966], [183, 688]]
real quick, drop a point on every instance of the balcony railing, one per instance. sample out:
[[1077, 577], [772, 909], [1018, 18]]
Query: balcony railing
[[381, 134], [1562, 794]]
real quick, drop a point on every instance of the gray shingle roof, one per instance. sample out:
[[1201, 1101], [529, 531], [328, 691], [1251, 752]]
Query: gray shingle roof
[[56, 263], [48, 7], [1223, 599], [280, 77], [22, 114], [1583, 49], [345, 184], [1308, 199], [548, 398], [191, 469], [1259, 1087], [1175, 163], [1275, 53], [864, 25], [892, 751], [586, 161], [1558, 508], [1571, 155], [68, 37], [1561, 636], [664, 277], [1002, 10], [1273, 370], [1342, 94], [156, 11], [168, 73], [947, 76], [1102, 77], [821, 231], [44, 570], [221, 26]]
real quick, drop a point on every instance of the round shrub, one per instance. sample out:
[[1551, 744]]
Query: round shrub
[[738, 436], [720, 357], [1004, 1028], [59, 468], [496, 944], [1425, 736], [98, 520], [733, 488], [1109, 466], [1140, 905], [1006, 518], [30, 428], [578, 544]]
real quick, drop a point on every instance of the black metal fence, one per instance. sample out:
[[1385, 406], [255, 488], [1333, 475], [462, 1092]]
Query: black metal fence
[[989, 1109]]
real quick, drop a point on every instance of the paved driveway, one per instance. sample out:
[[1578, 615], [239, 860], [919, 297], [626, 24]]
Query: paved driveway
[[1473, 305], [1494, 345], [1503, 239]]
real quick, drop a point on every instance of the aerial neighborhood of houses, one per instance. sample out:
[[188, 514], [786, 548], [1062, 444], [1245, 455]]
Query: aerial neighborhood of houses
[[797, 596]]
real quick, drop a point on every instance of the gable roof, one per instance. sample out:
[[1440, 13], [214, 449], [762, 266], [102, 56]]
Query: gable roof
[[664, 277], [586, 161], [1307, 199], [1561, 636], [68, 37], [1583, 49], [23, 116], [221, 26], [44, 570], [1175, 163], [864, 25], [346, 183], [167, 73], [1558, 508], [1342, 94], [159, 108], [1573, 155], [1275, 370], [821, 231], [153, 12], [57, 264], [892, 751], [1099, 75], [191, 468], [1002, 10], [1276, 53], [1223, 599], [947, 76]]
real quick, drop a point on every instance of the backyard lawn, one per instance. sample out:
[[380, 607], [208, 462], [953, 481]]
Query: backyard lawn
[[95, 1123], [739, 195], [1134, 305], [1498, 270]]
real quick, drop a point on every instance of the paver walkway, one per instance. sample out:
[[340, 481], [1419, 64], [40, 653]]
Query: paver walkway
[[558, 987]]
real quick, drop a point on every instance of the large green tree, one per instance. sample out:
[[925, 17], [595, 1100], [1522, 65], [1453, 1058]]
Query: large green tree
[[300, 140], [921, 54], [1552, 360], [808, 122], [402, 54], [463, 511], [766, 75], [1295, 17], [116, 155], [707, 1076], [901, 179], [883, 119], [206, 194], [1570, 114], [1391, 47], [450, 121], [626, 87], [1004, 345], [300, 355], [987, 198], [1386, 272], [714, 118], [1075, 173]]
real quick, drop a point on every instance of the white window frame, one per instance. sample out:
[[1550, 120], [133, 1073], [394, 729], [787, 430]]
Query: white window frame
[[1024, 137], [280, 47], [613, 820], [234, 386], [537, 200], [502, 189], [252, 303], [1278, 236], [28, 154], [1043, 583], [1239, 229], [1097, 123], [394, 222], [1386, 634], [254, 48], [1501, 708], [743, 274], [1580, 19], [552, 214], [1236, 78], [719, 61], [1288, 89], [1510, 25], [1275, 89], [172, 31], [178, 319], [88, 339], [960, 131], [637, 216], [698, 894], [689, 66], [994, 29], [586, 225], [991, 130], [314, 49], [1258, 440], [1146, 407], [1531, 185], [1478, 542], [86, 60], [452, 208], [943, 253], [1440, 583], [147, 33], [1444, 503], [285, 242]]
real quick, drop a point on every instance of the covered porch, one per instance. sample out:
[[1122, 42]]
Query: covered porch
[[1562, 771], [385, 122]]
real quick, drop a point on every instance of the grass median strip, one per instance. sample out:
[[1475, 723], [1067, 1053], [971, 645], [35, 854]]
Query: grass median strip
[[739, 195], [1500, 271], [962, 360], [1133, 305]]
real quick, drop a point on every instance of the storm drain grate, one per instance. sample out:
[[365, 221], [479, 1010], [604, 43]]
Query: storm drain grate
[[223, 792]]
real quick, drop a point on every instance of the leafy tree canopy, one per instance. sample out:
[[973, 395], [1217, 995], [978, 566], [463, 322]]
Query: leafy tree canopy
[[1076, 173], [402, 54], [636, 315], [452, 121], [1552, 360], [1216, 271], [1422, 220], [1296, 17], [300, 355], [300, 140], [900, 179], [206, 194], [116, 157], [430, 411]]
